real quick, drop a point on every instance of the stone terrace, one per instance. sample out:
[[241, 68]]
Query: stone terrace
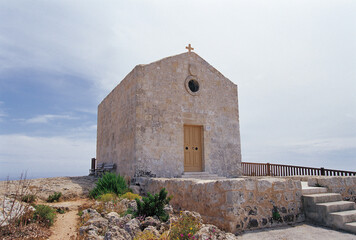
[[234, 204]]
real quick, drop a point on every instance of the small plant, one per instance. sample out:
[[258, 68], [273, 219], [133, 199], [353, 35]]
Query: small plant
[[275, 214], [153, 205], [44, 214], [80, 213], [184, 228], [29, 198], [54, 197], [147, 235], [107, 197], [130, 196], [60, 211], [109, 183]]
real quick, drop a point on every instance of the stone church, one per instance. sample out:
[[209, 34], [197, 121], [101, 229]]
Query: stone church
[[170, 117]]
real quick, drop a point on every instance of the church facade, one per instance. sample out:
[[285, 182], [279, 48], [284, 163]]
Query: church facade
[[175, 115]]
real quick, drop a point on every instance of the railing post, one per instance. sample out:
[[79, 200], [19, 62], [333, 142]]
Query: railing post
[[93, 163], [322, 170], [268, 170]]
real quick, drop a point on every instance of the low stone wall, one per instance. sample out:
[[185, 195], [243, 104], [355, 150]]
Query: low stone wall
[[346, 186], [234, 204]]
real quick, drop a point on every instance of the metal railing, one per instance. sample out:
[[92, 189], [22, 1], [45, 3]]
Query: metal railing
[[268, 169]]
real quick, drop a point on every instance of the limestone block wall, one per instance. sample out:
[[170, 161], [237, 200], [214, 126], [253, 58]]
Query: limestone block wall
[[346, 186], [116, 126], [235, 204], [164, 106]]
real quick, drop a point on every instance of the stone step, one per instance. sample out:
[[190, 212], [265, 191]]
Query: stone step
[[307, 190], [338, 219], [321, 198], [350, 227], [201, 175], [197, 173], [314, 190], [338, 206]]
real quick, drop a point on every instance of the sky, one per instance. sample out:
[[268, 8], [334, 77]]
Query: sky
[[294, 63]]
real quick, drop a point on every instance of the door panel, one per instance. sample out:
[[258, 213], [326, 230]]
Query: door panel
[[193, 149]]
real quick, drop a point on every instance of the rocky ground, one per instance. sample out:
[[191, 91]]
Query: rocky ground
[[70, 187], [111, 225], [103, 222]]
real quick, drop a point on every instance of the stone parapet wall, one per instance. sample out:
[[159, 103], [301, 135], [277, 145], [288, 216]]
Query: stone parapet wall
[[346, 186], [234, 204]]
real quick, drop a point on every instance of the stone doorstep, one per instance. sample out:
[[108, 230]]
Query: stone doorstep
[[322, 198], [338, 206], [197, 173], [202, 175]]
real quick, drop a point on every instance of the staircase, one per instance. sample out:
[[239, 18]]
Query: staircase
[[202, 175], [328, 208]]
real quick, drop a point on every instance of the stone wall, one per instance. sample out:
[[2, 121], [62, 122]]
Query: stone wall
[[116, 126], [235, 204], [164, 106], [346, 186]]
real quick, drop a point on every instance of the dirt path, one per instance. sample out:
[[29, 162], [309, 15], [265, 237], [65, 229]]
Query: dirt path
[[66, 224]]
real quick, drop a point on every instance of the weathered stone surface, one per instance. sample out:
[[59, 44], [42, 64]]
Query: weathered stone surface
[[117, 233], [133, 227], [168, 209], [150, 221], [243, 203], [141, 122], [346, 186], [11, 209], [211, 232], [152, 230]]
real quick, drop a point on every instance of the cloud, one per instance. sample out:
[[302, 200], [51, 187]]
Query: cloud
[[293, 62], [323, 145], [45, 156], [46, 118]]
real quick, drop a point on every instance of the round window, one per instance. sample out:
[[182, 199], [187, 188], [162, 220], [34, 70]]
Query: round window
[[193, 85]]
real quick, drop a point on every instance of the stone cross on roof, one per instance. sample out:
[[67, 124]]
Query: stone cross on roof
[[189, 48]]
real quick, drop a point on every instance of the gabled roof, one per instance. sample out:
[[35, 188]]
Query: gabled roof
[[187, 55]]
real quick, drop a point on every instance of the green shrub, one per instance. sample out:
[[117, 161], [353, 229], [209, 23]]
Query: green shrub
[[184, 228], [29, 198], [109, 183], [54, 197], [44, 214], [153, 205]]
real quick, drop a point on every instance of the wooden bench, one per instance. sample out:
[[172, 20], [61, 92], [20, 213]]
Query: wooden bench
[[104, 167]]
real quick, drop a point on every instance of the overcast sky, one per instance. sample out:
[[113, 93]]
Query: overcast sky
[[294, 63]]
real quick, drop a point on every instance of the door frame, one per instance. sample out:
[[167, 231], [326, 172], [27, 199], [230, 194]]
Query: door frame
[[202, 144]]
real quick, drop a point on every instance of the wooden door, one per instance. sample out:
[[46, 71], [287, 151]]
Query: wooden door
[[193, 149]]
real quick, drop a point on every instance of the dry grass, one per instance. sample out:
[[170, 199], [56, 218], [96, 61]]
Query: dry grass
[[17, 216]]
